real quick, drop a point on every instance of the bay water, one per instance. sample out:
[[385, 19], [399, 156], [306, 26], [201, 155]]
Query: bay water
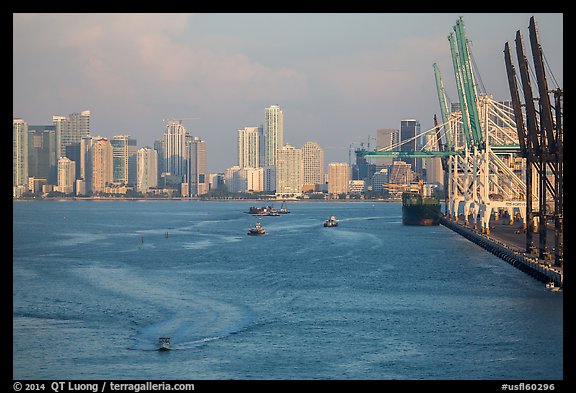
[[96, 283]]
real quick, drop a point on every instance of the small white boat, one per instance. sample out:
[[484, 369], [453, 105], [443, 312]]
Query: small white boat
[[164, 343]]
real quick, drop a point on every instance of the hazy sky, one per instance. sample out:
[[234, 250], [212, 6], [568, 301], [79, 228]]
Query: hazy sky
[[338, 77]]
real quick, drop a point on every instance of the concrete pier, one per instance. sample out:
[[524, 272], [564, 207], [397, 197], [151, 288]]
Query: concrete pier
[[508, 243]]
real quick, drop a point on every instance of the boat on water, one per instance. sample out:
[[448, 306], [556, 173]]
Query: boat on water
[[282, 209], [331, 222], [164, 344], [420, 209], [256, 231]]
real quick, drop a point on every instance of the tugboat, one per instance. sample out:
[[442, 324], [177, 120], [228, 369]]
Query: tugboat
[[331, 222], [256, 231], [164, 344]]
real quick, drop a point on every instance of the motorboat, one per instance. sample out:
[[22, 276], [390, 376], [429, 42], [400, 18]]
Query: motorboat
[[331, 222]]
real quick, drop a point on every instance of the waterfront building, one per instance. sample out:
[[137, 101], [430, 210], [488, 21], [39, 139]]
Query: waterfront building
[[42, 158], [289, 171], [239, 179], [338, 178], [249, 147], [19, 156], [196, 167], [35, 184], [269, 178], [147, 169], [102, 164], [124, 159], [313, 157], [66, 175], [233, 180], [379, 179], [86, 163]]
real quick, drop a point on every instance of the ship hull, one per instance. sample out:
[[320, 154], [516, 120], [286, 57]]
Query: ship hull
[[420, 211], [420, 215]]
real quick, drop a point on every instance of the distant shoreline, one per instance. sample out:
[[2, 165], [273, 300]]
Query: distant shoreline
[[264, 201]]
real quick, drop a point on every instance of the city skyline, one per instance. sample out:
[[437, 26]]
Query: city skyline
[[335, 85]]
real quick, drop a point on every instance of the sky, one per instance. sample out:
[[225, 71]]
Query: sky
[[338, 77]]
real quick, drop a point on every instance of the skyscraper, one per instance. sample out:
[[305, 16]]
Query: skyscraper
[[70, 129], [289, 171], [147, 164], [124, 165], [196, 168], [409, 130], [273, 133], [19, 155], [313, 157], [249, 147], [102, 169], [42, 160], [174, 148]]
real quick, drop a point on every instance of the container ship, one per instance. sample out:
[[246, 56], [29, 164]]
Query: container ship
[[420, 209]]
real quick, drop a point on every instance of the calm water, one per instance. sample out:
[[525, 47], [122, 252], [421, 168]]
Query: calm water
[[96, 284]]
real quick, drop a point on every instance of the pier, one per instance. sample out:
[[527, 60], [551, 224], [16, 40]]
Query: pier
[[507, 242]]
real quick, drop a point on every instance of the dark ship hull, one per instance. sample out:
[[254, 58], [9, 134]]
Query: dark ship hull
[[418, 210]]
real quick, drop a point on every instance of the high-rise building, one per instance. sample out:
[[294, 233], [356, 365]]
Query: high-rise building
[[124, 159], [338, 178], [147, 164], [66, 175], [196, 167], [249, 147], [289, 171], [174, 148], [42, 159], [409, 131], [273, 133], [19, 156], [102, 167], [70, 129], [313, 157]]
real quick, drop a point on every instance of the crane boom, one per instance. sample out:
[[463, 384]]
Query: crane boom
[[444, 109]]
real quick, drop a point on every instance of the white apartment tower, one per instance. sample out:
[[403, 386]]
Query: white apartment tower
[[289, 171], [147, 163], [313, 157], [273, 134], [249, 147]]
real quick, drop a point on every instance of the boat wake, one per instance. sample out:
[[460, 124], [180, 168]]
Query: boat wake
[[190, 319]]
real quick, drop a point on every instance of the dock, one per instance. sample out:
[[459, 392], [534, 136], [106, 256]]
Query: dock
[[508, 242]]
